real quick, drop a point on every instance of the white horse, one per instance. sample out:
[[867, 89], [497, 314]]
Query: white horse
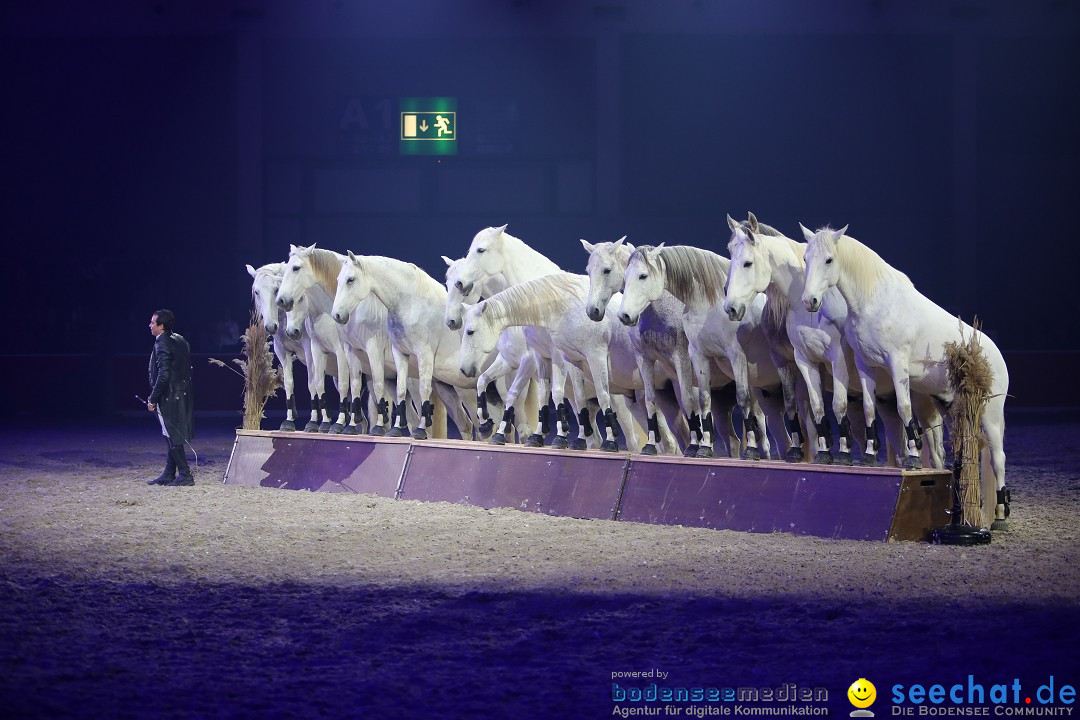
[[421, 343], [658, 340], [557, 303], [763, 260], [892, 325], [265, 283], [326, 353], [741, 350], [501, 260], [513, 358]]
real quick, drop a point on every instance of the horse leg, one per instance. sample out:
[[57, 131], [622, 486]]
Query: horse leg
[[703, 423], [543, 381], [497, 369], [559, 371], [626, 420], [316, 380], [993, 427], [356, 385], [425, 365], [869, 387], [598, 368], [811, 373], [516, 402], [689, 398], [753, 428], [929, 412], [898, 369], [285, 362], [792, 427], [400, 426]]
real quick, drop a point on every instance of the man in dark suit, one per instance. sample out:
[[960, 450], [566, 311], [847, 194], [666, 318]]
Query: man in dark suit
[[171, 397]]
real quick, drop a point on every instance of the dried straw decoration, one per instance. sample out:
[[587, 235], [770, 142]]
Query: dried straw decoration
[[970, 377], [261, 378]]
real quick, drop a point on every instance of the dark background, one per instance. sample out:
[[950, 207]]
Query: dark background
[[151, 148]]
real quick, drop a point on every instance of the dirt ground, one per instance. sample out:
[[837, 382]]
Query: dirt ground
[[122, 600]]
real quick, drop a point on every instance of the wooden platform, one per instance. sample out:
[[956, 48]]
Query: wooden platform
[[882, 504]]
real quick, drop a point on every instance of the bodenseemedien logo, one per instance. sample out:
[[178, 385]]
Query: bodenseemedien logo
[[862, 694]]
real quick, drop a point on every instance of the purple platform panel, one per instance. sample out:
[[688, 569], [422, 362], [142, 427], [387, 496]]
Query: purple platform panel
[[575, 484], [325, 463], [804, 499]]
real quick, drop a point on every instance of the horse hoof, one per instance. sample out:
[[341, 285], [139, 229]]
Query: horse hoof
[[419, 434], [351, 430], [609, 446], [704, 451], [794, 455], [913, 462], [486, 427], [336, 429], [497, 439], [288, 426], [377, 430], [395, 432], [535, 440], [324, 428], [844, 458], [1000, 525], [649, 449], [690, 451], [823, 458], [579, 444], [312, 427], [752, 453], [869, 460], [560, 442]]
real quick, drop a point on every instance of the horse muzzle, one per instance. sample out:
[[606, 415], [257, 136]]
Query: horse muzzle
[[625, 319], [271, 328], [468, 371], [735, 313], [453, 324], [596, 313], [285, 303], [341, 317], [294, 333], [812, 304]]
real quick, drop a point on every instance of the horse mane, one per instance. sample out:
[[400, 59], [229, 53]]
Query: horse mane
[[690, 271], [864, 267], [326, 264], [532, 302], [424, 284]]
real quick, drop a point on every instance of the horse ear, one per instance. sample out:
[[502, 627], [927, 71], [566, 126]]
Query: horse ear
[[630, 247], [806, 232], [448, 261], [501, 230], [251, 270], [620, 241], [589, 247], [293, 248], [355, 259], [840, 233], [732, 223], [753, 222]]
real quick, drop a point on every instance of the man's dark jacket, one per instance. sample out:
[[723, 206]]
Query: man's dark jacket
[[170, 380]]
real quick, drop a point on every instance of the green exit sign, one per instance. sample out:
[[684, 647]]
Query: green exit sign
[[428, 126]]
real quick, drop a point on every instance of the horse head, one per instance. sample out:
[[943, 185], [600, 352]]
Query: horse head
[[643, 283], [607, 263], [298, 276], [822, 270], [483, 259], [264, 289], [750, 273], [478, 339], [295, 317], [456, 293], [353, 286]]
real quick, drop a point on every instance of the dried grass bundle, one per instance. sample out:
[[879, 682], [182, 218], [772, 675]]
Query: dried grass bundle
[[261, 378], [970, 376]]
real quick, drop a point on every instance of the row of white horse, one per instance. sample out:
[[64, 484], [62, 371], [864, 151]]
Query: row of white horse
[[650, 338]]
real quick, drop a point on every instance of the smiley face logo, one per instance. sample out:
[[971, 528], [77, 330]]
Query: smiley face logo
[[862, 693]]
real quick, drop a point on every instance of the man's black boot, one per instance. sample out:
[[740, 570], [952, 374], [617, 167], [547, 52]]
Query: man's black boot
[[169, 472], [184, 472]]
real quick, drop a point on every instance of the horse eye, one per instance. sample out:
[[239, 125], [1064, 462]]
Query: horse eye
[[829, 261], [256, 293], [642, 276], [747, 264], [350, 281], [469, 332], [296, 269], [479, 250], [607, 271]]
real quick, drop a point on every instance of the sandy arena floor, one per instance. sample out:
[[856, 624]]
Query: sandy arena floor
[[122, 600]]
